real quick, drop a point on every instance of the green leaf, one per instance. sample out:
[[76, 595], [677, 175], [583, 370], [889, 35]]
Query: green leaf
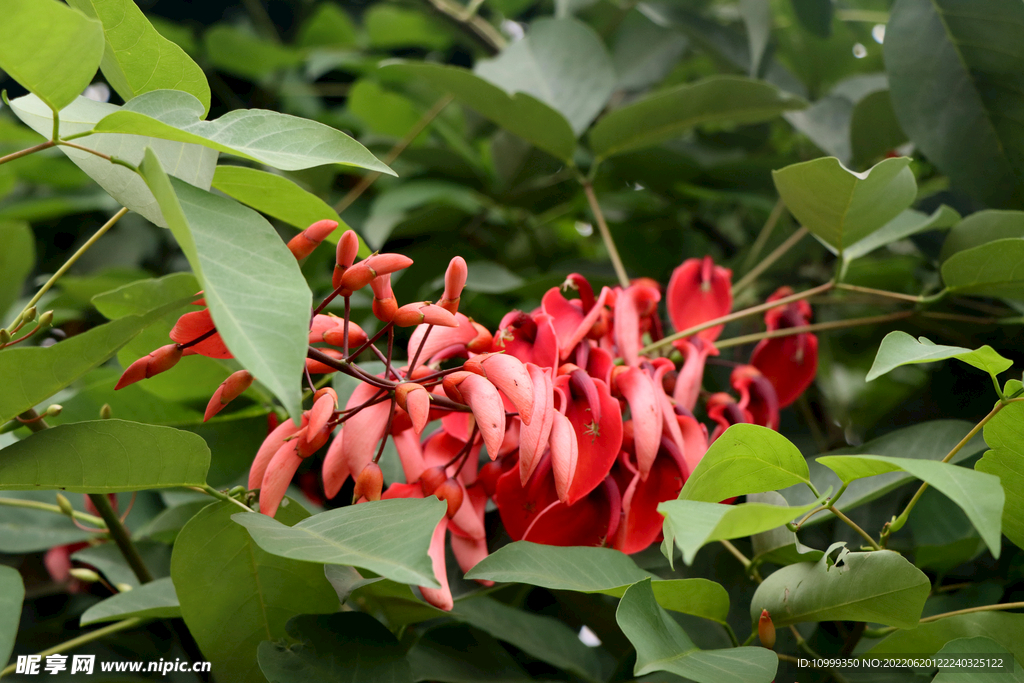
[[50, 49], [1005, 629], [944, 538], [392, 207], [192, 163], [597, 570], [693, 524], [139, 297], [327, 26], [105, 456], [153, 600], [841, 207], [662, 645], [390, 26], [349, 647], [240, 53], [929, 441], [42, 372], [745, 459], [12, 593], [879, 587], [29, 531], [17, 259], [978, 647], [644, 52], [388, 537], [391, 602], [459, 654], [384, 111], [899, 348], [233, 595], [936, 47], [277, 197], [521, 113], [258, 298], [137, 59], [280, 140], [545, 638], [906, 223], [980, 228], [757, 17], [992, 269], [815, 16], [1005, 435], [976, 493], [562, 63], [780, 545], [669, 113], [874, 128], [166, 526]]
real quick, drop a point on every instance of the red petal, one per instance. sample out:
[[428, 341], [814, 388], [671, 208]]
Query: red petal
[[699, 291], [789, 363], [641, 521], [599, 443]]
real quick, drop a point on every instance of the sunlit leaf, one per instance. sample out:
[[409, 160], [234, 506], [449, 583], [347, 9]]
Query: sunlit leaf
[[899, 348]]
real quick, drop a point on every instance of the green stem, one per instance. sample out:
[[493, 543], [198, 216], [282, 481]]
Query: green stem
[[74, 257], [47, 507], [119, 534], [89, 637], [856, 527], [732, 635], [753, 310], [817, 327], [769, 260], [764, 234], [883, 293], [971, 610], [25, 152], [902, 519], [220, 495], [606, 235]]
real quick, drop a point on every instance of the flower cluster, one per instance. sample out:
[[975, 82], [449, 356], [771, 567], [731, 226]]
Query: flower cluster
[[586, 429]]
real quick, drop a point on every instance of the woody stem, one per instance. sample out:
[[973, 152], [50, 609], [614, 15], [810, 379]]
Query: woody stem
[[606, 235], [24, 152]]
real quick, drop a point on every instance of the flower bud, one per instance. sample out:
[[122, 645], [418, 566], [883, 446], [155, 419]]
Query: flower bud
[[414, 399], [123, 587], [431, 479], [303, 244], [106, 412], [385, 305], [423, 313], [766, 630], [230, 389], [29, 315], [450, 492], [53, 410], [369, 483], [65, 505], [348, 249], [488, 475], [336, 336], [164, 358], [454, 281], [46, 319], [84, 575], [483, 340]]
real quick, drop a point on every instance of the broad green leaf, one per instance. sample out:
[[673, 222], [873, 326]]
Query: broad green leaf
[[562, 63], [42, 372], [1005, 629], [841, 207], [899, 348], [277, 197], [460, 654], [393, 206], [392, 603], [545, 638], [930, 441], [233, 595], [391, 26], [944, 537], [12, 593], [992, 269], [258, 298], [980, 228], [644, 52], [327, 26], [880, 587], [692, 524], [521, 113], [105, 456], [757, 17], [384, 111], [488, 277], [31, 531], [50, 49], [348, 647], [166, 526], [874, 128], [976, 493], [135, 403], [815, 16], [17, 259], [137, 59], [667, 114], [597, 570], [240, 53], [280, 140], [192, 163], [388, 537], [662, 645], [35, 210], [153, 600], [905, 224], [745, 459], [979, 647], [139, 297], [937, 47], [1005, 436], [827, 122], [780, 545]]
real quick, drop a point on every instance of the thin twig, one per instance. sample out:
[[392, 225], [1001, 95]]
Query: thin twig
[[75, 643], [817, 327], [769, 260], [764, 234], [25, 152], [606, 235], [47, 507]]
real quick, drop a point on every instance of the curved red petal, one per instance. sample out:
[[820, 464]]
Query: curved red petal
[[699, 291]]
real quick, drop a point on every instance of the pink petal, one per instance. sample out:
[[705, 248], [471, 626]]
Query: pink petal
[[638, 388], [688, 383], [277, 477], [564, 455], [266, 452], [533, 438], [440, 598], [335, 468], [483, 399], [510, 376]]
